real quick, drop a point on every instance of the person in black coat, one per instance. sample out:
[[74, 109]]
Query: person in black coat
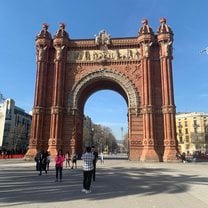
[[95, 153], [40, 159]]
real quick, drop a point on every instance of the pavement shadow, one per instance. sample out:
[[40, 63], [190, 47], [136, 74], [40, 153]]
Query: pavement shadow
[[22, 185]]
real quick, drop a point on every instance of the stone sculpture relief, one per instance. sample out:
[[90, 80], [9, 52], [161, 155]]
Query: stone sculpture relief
[[100, 55], [41, 52], [59, 52], [146, 47], [102, 38], [167, 48]]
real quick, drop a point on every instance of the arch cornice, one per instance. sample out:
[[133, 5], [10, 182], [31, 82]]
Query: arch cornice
[[104, 74]]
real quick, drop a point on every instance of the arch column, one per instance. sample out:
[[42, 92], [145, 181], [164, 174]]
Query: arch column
[[60, 44], [76, 138], [165, 39], [43, 42], [146, 39]]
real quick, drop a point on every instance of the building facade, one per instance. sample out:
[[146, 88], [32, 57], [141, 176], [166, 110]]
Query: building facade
[[15, 125], [192, 131], [139, 68]]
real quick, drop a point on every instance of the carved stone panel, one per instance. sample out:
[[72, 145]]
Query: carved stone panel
[[101, 55]]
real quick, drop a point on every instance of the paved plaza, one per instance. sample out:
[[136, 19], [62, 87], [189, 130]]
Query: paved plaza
[[119, 184]]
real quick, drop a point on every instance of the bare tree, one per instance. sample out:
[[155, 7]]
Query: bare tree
[[101, 136]]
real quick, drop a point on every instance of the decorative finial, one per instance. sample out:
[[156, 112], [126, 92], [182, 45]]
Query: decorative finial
[[163, 20], [61, 33], [145, 28], [44, 32], [164, 28], [145, 22], [45, 26], [62, 25]]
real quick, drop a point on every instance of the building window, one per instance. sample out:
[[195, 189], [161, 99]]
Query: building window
[[181, 139], [187, 138], [186, 124], [186, 130]]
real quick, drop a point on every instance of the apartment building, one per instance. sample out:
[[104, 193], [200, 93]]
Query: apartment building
[[15, 126], [192, 131]]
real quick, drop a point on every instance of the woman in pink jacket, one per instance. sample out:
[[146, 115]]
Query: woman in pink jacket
[[59, 160]]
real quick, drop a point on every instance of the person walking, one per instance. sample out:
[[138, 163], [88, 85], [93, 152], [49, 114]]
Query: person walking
[[67, 159], [74, 160], [44, 161], [40, 159], [59, 160], [48, 160], [95, 153], [87, 158], [183, 157], [101, 158]]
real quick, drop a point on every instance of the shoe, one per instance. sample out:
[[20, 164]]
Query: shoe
[[83, 190], [87, 191]]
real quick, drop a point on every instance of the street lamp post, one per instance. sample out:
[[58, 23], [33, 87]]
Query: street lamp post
[[102, 138], [91, 137]]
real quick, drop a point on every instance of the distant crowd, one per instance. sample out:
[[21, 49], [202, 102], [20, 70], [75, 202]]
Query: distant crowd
[[188, 157], [11, 154]]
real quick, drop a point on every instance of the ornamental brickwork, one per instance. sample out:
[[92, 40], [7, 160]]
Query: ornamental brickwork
[[138, 68]]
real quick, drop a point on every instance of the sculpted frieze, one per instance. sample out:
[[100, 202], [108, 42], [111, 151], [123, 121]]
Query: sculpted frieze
[[103, 55]]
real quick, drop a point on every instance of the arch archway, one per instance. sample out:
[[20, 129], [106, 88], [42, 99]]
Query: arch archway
[[138, 68], [106, 121], [100, 79], [103, 78]]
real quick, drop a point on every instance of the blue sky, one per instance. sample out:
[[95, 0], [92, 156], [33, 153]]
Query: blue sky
[[21, 20]]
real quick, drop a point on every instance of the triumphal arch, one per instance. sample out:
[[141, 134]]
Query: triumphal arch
[[138, 68]]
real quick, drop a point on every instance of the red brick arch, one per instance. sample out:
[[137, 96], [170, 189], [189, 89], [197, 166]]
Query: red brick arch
[[139, 68], [103, 78]]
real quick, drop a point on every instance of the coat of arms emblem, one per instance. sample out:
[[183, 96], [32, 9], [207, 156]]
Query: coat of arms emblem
[[103, 38]]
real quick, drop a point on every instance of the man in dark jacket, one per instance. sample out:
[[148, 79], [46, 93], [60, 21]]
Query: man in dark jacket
[[94, 161], [40, 159]]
